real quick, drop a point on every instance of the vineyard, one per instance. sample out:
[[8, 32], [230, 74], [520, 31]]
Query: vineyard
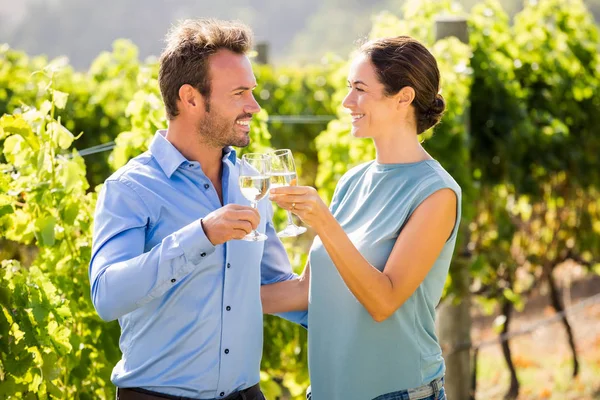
[[520, 136]]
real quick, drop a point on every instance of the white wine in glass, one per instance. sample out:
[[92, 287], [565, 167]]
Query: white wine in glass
[[283, 173], [254, 188], [255, 181], [279, 179]]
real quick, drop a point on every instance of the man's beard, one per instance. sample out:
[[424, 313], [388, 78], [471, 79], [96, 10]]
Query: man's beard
[[216, 131]]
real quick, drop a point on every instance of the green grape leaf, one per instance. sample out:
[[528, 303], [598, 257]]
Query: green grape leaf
[[44, 230], [70, 175], [51, 367], [59, 98], [69, 212], [61, 135]]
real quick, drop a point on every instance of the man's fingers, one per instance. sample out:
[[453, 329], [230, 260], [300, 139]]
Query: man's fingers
[[239, 234], [242, 225], [250, 215], [238, 207], [234, 206]]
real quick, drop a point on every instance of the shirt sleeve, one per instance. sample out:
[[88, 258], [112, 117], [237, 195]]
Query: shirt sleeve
[[276, 267], [122, 275]]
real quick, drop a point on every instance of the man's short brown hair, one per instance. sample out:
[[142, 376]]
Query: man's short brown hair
[[185, 58]]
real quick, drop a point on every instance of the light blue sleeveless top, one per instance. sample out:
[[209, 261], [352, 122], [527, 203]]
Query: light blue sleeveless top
[[350, 356]]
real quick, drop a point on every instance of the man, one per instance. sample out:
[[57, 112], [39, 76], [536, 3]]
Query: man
[[165, 261]]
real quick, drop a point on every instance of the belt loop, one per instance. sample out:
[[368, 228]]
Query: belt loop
[[436, 388]]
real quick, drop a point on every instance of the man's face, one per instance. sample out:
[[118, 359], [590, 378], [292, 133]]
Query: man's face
[[227, 122]]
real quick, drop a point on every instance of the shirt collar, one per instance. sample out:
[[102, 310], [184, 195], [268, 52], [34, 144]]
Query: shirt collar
[[169, 158], [230, 154]]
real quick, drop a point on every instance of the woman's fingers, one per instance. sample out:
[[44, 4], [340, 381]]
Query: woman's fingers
[[289, 198], [292, 206], [291, 190], [303, 201]]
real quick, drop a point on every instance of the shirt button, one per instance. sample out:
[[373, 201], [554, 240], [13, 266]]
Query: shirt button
[[228, 265], [228, 308], [206, 186], [226, 351], [222, 394], [173, 280], [202, 254]]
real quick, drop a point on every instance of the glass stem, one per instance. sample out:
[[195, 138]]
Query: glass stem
[[254, 204], [290, 221]]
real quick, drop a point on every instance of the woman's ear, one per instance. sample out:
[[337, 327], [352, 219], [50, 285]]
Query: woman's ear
[[405, 97]]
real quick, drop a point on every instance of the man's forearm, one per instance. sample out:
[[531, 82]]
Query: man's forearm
[[120, 286]]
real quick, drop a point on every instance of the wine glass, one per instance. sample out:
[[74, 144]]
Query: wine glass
[[283, 173], [254, 184]]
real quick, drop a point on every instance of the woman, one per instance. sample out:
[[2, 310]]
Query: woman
[[377, 268]]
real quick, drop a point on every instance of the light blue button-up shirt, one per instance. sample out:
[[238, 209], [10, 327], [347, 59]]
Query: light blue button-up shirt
[[190, 312]]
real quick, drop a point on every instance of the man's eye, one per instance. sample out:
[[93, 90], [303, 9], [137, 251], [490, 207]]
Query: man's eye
[[239, 93]]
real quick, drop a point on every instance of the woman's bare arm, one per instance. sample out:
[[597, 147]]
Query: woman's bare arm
[[291, 295]]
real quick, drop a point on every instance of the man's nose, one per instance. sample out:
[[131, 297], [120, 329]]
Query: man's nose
[[253, 107]]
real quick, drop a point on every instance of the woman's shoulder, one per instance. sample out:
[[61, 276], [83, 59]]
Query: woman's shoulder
[[437, 176], [432, 179], [414, 182]]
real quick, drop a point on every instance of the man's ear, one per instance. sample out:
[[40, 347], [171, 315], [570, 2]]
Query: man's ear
[[190, 99], [405, 97]]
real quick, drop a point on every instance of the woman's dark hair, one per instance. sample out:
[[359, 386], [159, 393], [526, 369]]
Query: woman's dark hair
[[403, 61]]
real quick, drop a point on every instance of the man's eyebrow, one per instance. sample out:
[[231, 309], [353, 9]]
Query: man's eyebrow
[[359, 83], [237, 89]]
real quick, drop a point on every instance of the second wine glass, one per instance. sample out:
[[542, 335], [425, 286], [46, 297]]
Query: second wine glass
[[254, 184], [283, 173]]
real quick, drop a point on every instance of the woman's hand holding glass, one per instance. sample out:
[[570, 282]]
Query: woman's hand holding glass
[[304, 201]]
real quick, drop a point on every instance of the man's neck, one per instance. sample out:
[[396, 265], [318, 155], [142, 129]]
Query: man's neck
[[187, 142]]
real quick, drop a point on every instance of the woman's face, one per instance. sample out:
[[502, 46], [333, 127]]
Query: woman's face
[[373, 113]]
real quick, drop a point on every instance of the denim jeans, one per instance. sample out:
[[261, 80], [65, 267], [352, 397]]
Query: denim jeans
[[432, 391]]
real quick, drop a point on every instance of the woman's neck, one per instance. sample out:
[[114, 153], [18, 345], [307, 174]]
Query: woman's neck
[[400, 148]]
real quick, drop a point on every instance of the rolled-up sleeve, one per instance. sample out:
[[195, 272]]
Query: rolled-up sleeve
[[122, 275]]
